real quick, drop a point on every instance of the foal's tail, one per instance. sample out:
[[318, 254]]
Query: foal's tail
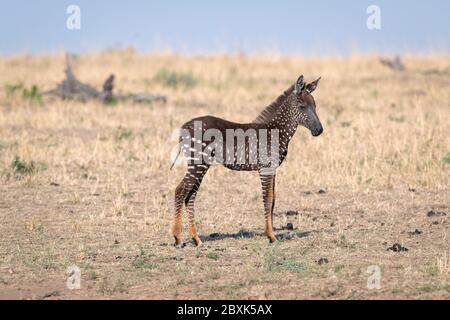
[[178, 154]]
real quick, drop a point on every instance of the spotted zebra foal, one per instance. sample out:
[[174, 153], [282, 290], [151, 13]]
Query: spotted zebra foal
[[261, 145]]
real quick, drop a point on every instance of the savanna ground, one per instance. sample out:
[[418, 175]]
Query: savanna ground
[[89, 185]]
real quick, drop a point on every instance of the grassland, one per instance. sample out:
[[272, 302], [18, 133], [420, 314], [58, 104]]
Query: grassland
[[89, 185]]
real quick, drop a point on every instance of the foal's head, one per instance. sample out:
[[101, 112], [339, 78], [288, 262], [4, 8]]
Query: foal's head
[[306, 105]]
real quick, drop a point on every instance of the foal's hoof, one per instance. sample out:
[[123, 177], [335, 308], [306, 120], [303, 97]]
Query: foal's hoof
[[273, 239], [179, 244], [197, 242]]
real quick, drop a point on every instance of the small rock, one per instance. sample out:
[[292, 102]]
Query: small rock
[[322, 261], [321, 191], [51, 294], [54, 184], [214, 235], [116, 242], [396, 247], [290, 226], [176, 258], [433, 213], [415, 232]]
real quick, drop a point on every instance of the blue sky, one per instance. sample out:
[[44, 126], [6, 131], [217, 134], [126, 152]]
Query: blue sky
[[200, 26]]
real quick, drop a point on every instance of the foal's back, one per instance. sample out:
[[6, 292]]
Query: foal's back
[[211, 122]]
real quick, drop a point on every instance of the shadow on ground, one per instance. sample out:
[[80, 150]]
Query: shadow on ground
[[281, 235]]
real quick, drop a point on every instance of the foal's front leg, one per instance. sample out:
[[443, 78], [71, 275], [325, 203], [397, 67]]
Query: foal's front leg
[[268, 190]]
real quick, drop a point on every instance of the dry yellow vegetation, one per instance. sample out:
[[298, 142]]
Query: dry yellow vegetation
[[89, 185]]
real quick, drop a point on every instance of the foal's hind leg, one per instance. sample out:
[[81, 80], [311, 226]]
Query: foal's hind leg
[[178, 216], [192, 184]]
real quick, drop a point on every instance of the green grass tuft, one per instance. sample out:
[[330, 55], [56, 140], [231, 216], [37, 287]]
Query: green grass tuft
[[123, 134], [275, 261], [32, 94], [212, 255], [175, 79], [446, 158], [22, 167]]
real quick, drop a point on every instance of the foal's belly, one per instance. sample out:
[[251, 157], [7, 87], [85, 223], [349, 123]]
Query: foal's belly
[[241, 167]]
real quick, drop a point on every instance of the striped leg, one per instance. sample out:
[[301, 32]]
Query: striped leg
[[193, 181], [268, 190], [178, 216]]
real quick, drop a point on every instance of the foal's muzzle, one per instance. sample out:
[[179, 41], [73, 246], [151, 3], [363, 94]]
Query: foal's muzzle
[[317, 131]]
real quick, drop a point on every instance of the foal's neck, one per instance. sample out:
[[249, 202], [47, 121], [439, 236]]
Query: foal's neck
[[285, 121]]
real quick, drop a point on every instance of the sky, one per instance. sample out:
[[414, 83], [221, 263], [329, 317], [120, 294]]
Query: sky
[[203, 27]]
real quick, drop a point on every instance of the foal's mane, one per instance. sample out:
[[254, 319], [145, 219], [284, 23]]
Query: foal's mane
[[270, 111]]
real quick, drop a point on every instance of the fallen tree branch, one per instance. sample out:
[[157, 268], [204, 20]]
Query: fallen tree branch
[[73, 89]]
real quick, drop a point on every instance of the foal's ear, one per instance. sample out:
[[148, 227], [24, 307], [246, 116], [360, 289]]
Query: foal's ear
[[310, 87], [299, 85]]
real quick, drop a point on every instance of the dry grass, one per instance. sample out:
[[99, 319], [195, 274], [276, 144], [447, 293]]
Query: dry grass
[[89, 185], [443, 263]]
